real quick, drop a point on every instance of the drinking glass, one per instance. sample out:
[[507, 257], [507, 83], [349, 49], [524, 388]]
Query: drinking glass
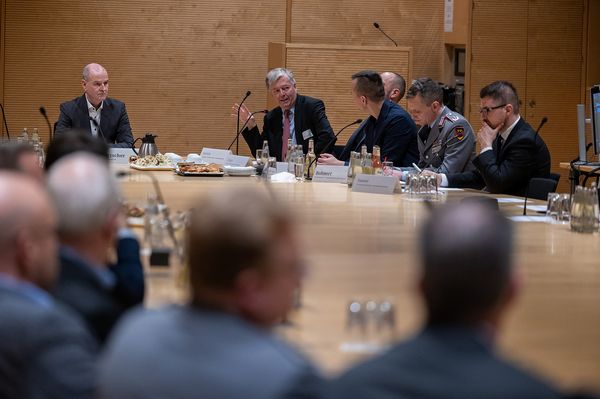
[[584, 210], [259, 155], [299, 168], [388, 168]]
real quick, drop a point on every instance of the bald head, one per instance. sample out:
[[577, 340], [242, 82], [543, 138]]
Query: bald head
[[95, 84], [466, 253], [85, 193], [27, 230], [92, 69], [394, 86]]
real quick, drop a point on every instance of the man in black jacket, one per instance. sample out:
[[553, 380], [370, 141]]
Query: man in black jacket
[[94, 112], [511, 151], [389, 126], [298, 117]]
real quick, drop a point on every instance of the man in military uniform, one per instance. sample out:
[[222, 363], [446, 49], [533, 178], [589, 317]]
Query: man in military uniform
[[446, 140]]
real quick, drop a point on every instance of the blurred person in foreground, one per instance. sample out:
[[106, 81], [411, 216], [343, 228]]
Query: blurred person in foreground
[[297, 117], [87, 198], [244, 267], [94, 112], [45, 350], [389, 126], [21, 157], [74, 140], [467, 283]]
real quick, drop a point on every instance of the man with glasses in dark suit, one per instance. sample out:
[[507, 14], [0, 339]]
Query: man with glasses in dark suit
[[511, 151]]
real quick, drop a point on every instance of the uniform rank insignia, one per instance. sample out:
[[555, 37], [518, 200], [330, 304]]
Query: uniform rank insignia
[[459, 132]]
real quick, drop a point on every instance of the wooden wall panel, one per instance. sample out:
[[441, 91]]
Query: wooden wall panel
[[417, 24], [554, 79], [538, 47], [179, 66], [332, 82], [497, 50]]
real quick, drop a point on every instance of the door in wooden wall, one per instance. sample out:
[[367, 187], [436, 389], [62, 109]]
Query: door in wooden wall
[[537, 45]]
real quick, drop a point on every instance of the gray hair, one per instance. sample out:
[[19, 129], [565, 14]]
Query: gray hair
[[429, 90], [275, 74], [84, 191]]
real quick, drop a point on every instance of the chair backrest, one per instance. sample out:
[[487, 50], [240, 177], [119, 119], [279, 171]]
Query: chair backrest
[[540, 187], [554, 176]]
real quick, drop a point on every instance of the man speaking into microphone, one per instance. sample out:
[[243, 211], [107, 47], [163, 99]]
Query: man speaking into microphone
[[297, 117], [94, 112]]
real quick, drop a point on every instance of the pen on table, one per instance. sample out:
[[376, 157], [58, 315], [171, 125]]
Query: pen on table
[[416, 167]]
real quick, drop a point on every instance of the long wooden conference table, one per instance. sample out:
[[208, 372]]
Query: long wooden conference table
[[363, 246]]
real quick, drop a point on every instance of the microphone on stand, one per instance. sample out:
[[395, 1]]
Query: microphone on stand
[[45, 115], [376, 25], [98, 127], [542, 123], [332, 141], [5, 124], [237, 136]]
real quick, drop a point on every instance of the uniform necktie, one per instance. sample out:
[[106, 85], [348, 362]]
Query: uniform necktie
[[424, 133], [286, 134]]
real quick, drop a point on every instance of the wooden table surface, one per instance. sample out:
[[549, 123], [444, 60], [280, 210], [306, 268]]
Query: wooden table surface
[[363, 246]]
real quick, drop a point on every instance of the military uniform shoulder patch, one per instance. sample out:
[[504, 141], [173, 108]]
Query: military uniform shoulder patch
[[452, 116], [459, 132]]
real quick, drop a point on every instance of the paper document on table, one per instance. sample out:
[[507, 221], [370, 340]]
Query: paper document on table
[[536, 208], [510, 200], [539, 219]]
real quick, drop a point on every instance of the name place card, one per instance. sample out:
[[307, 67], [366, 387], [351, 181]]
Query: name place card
[[331, 174], [282, 167], [120, 156], [237, 160], [375, 184], [213, 155]]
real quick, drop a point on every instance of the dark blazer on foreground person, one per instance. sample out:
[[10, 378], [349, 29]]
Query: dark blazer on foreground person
[[114, 121], [524, 155], [45, 351], [394, 132], [442, 362], [310, 121], [98, 302]]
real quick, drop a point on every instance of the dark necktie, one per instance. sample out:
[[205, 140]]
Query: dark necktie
[[424, 133], [286, 134]]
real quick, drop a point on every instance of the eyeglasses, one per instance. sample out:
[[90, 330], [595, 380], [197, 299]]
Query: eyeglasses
[[486, 110]]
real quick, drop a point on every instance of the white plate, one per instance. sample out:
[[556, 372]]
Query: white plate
[[151, 167], [239, 170]]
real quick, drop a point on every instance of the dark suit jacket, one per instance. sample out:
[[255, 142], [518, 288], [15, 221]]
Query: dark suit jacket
[[45, 352], [101, 306], [524, 155], [114, 122], [449, 363], [309, 114], [394, 132]]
